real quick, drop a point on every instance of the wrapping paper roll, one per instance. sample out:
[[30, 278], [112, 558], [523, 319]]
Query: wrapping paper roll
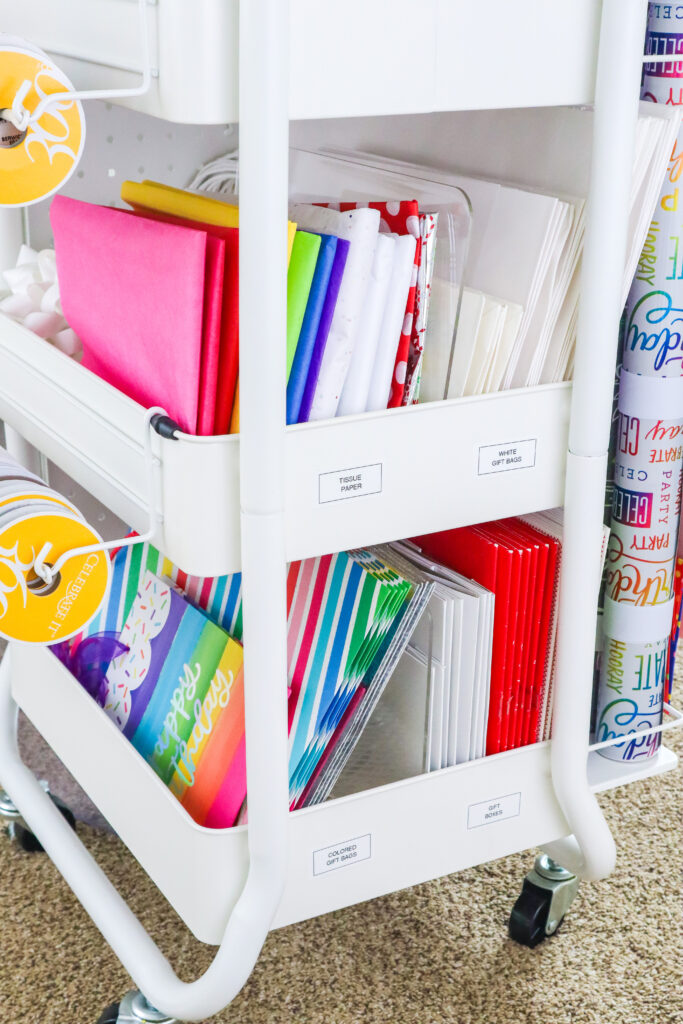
[[641, 557], [37, 162]]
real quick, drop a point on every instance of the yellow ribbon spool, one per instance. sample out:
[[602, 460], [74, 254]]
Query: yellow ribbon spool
[[30, 610], [35, 495], [36, 163]]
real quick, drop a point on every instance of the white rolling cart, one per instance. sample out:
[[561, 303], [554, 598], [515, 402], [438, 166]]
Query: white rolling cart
[[227, 62]]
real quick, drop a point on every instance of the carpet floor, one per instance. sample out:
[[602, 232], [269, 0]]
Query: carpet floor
[[435, 954]]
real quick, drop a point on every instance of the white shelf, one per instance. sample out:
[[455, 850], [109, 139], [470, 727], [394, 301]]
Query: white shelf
[[367, 57], [602, 772], [422, 463], [418, 829]]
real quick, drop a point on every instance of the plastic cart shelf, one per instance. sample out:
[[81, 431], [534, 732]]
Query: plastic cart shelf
[[444, 449]]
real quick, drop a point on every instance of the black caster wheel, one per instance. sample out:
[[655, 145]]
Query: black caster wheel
[[22, 835], [529, 920], [65, 811], [134, 1009], [110, 1015]]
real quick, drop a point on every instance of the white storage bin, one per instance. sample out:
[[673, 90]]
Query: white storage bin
[[341, 852], [454, 452]]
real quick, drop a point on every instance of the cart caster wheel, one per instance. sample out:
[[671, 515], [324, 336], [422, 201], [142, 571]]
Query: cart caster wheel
[[65, 811], [22, 835], [546, 896], [110, 1015], [134, 1009], [530, 915]]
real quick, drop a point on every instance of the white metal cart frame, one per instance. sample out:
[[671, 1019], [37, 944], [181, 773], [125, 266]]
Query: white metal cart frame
[[264, 139]]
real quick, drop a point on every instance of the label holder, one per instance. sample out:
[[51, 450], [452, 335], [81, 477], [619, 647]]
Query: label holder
[[507, 456]]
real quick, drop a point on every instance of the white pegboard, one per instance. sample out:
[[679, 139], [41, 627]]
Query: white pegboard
[[123, 144], [109, 526]]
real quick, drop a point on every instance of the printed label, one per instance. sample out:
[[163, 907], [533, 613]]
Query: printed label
[[350, 483], [489, 811], [340, 855], [499, 458], [10, 136], [641, 556]]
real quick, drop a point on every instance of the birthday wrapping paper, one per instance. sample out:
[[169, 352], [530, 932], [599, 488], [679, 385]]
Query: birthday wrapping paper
[[646, 502]]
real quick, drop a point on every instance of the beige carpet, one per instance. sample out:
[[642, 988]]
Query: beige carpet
[[436, 954]]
